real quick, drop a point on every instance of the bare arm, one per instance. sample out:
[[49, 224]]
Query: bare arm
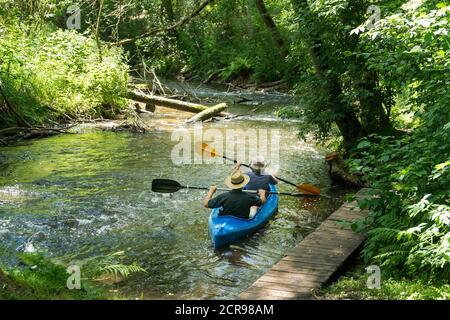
[[209, 195], [262, 195], [275, 172]]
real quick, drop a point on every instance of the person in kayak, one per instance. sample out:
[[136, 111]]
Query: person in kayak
[[259, 180], [235, 202]]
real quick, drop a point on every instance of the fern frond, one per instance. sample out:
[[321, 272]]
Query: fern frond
[[122, 269]]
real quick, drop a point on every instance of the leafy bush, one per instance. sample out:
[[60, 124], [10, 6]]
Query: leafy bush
[[238, 67], [410, 224], [59, 74], [410, 221]]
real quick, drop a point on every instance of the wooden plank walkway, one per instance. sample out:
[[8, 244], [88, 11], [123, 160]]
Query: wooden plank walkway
[[313, 262]]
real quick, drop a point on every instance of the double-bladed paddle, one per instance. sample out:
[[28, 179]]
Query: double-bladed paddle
[[171, 186], [304, 188]]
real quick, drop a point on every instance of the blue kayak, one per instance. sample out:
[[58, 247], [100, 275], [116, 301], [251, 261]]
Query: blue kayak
[[227, 229]]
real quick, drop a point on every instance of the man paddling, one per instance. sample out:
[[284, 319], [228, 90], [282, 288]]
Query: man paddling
[[235, 202], [259, 180]]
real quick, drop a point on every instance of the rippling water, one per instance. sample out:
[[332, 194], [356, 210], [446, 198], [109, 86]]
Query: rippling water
[[89, 194]]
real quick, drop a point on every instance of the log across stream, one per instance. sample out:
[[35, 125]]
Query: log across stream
[[203, 112]]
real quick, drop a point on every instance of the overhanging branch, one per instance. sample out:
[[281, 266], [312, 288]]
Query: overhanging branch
[[171, 27]]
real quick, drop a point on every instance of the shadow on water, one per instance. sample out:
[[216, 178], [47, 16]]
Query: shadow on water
[[87, 195]]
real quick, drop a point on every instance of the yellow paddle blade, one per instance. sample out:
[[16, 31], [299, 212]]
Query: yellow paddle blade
[[203, 148], [308, 189]]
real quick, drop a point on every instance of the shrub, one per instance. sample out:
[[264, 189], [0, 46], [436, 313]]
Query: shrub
[[47, 74]]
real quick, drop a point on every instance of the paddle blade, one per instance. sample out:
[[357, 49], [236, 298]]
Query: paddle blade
[[203, 148], [308, 189], [165, 186]]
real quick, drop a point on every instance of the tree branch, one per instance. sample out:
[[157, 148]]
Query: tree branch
[[171, 27], [97, 27]]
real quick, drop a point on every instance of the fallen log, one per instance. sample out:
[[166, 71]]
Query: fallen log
[[166, 102], [170, 103], [208, 113]]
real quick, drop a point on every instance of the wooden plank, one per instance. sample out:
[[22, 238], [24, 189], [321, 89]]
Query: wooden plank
[[301, 268], [339, 233], [346, 215], [311, 243], [311, 282], [296, 288], [310, 277], [299, 274], [292, 266], [333, 224], [304, 255], [331, 231], [319, 259], [255, 293], [331, 238], [330, 235], [308, 251]]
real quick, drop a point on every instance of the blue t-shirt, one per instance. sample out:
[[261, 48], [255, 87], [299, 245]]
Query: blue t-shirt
[[259, 181]]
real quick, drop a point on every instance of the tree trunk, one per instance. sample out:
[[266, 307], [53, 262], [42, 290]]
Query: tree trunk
[[167, 10], [208, 113], [170, 103], [270, 24], [348, 123], [374, 117], [97, 31]]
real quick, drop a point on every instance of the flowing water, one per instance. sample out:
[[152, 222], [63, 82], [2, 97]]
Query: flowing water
[[89, 194]]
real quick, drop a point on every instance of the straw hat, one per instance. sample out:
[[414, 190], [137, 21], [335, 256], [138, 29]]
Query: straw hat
[[237, 180], [258, 163]]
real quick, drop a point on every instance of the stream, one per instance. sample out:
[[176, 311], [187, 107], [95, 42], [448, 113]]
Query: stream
[[78, 196]]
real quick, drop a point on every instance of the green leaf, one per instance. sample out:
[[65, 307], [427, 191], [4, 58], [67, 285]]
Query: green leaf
[[363, 144]]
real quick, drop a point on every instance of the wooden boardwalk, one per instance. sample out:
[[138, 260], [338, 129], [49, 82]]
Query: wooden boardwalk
[[313, 262]]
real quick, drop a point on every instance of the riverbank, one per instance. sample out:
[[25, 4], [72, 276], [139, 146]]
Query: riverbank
[[352, 285], [39, 278]]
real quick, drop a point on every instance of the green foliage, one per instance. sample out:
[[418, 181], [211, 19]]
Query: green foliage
[[238, 67], [121, 269], [229, 37], [354, 286], [55, 74], [110, 264], [410, 225], [39, 278]]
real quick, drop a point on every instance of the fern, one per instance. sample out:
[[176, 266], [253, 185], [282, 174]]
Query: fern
[[121, 269], [112, 265]]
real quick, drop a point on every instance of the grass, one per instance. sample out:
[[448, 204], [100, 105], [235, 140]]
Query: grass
[[38, 278], [353, 285]]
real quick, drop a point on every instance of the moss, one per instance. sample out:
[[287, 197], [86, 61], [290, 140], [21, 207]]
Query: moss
[[353, 285]]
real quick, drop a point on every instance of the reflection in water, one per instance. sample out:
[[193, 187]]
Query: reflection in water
[[85, 195]]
